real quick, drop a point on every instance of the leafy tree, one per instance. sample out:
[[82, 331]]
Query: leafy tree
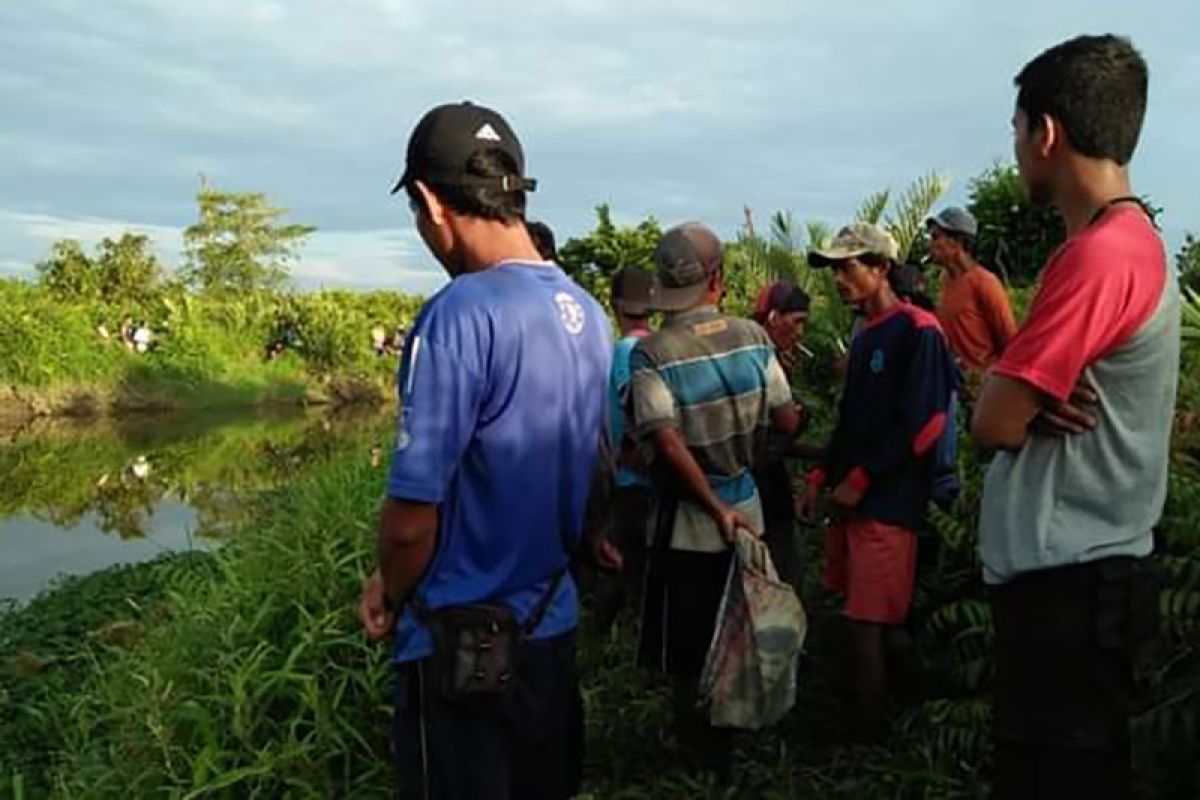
[[69, 274], [239, 244], [121, 271], [1016, 236], [129, 272], [1187, 261], [593, 259]]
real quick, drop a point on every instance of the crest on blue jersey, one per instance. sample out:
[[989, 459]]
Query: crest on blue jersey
[[877, 362]]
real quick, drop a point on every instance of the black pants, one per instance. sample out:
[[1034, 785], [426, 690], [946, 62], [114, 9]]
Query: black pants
[[678, 642], [527, 747], [774, 481], [1066, 639], [630, 520]]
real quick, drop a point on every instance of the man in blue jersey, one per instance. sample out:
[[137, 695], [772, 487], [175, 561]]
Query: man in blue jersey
[[502, 389]]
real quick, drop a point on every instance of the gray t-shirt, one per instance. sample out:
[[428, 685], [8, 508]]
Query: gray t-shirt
[[1108, 310]]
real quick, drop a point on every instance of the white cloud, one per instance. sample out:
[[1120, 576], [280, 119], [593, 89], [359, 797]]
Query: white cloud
[[393, 258], [682, 108]]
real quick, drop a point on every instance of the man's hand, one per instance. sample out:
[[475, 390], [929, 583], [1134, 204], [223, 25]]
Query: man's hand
[[728, 521], [1072, 417], [373, 611], [788, 358], [847, 496], [608, 555], [808, 501]]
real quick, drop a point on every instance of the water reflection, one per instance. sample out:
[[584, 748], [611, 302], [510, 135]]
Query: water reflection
[[80, 496]]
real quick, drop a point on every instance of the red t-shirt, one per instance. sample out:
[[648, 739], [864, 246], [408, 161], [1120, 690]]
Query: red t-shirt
[[1096, 292]]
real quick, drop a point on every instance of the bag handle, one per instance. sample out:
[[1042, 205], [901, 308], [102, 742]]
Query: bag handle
[[543, 604]]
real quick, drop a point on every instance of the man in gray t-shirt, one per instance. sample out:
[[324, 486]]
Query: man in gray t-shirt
[[1080, 406]]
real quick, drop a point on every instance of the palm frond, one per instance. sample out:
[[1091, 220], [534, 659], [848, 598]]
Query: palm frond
[[783, 231], [873, 207], [907, 218], [818, 232]]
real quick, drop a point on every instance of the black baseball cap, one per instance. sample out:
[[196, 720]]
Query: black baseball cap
[[687, 257], [632, 290], [446, 138]]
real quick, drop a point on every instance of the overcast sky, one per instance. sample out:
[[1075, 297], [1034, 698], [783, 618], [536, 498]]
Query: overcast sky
[[679, 108]]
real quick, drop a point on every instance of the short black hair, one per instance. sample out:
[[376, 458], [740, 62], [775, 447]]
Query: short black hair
[[905, 280], [543, 239], [1096, 87], [485, 202]]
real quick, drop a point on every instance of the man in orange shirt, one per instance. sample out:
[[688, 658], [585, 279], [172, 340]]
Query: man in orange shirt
[[974, 310]]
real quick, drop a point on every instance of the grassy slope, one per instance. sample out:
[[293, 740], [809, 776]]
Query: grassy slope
[[210, 353]]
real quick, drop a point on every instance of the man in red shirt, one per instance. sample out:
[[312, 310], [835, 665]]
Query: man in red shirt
[[1066, 522], [974, 308]]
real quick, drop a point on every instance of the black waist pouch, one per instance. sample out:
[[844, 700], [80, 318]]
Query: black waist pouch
[[476, 647], [474, 651]]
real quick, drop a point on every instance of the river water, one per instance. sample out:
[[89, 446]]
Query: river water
[[76, 497]]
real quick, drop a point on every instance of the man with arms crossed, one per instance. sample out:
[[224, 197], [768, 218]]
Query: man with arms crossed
[[1066, 519]]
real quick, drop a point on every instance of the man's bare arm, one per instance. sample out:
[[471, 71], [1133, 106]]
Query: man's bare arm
[[407, 536], [674, 450]]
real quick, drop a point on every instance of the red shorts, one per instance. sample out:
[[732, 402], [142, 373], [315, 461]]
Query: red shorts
[[874, 565]]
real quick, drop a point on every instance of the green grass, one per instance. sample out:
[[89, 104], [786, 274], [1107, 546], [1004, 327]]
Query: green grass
[[247, 675]]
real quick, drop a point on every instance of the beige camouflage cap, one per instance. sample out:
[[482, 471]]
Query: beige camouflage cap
[[856, 239]]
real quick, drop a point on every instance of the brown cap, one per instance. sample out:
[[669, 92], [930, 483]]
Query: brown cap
[[687, 257]]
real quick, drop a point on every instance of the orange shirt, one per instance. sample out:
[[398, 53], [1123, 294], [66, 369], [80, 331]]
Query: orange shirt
[[976, 316]]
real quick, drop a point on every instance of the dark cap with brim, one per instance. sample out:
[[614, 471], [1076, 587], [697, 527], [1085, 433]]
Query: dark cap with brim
[[632, 291], [687, 257], [448, 136], [955, 220]]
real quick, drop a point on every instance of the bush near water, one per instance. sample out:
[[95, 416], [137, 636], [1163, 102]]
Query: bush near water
[[249, 676], [212, 318]]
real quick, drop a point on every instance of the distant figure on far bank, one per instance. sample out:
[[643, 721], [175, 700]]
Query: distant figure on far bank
[[143, 338], [379, 340]]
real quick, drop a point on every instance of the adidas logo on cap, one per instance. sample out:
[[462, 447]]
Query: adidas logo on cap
[[487, 133]]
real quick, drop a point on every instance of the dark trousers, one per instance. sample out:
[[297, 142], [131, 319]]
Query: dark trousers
[[1066, 640], [528, 746], [774, 481], [630, 519], [677, 643]]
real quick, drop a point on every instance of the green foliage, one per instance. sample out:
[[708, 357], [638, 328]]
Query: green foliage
[[873, 207], [1016, 236], [1187, 262], [593, 259], [238, 244], [69, 273], [906, 220], [122, 272], [209, 350], [256, 681], [752, 261], [1191, 315]]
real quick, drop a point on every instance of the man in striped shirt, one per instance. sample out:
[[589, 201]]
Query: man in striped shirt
[[704, 390]]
